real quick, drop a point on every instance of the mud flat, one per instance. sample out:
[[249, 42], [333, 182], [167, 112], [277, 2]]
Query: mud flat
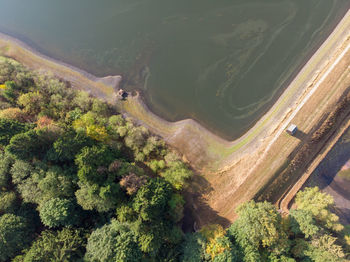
[[227, 166]]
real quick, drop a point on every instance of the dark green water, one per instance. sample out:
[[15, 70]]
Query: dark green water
[[221, 62]]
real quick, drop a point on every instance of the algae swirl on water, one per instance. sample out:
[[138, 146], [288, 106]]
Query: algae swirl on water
[[222, 63]]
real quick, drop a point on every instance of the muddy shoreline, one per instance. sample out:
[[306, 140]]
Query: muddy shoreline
[[210, 148]]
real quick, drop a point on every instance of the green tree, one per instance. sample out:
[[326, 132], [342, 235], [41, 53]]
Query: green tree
[[324, 249], [65, 245], [319, 204], [59, 212], [100, 107], [5, 165], [15, 235], [93, 126], [9, 128], [258, 226], [8, 202], [302, 221], [20, 171], [34, 143], [83, 101], [177, 174], [67, 146], [10, 92], [151, 200], [89, 198], [193, 248], [56, 184], [91, 159], [112, 242], [32, 102]]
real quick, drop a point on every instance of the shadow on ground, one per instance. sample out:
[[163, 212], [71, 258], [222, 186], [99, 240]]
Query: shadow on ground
[[196, 204], [300, 135], [327, 176]]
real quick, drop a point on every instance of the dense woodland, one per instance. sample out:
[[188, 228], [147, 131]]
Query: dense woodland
[[79, 182]]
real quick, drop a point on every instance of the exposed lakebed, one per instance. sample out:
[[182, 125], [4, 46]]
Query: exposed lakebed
[[222, 63]]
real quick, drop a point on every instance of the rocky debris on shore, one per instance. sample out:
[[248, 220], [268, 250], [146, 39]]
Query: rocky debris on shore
[[122, 94]]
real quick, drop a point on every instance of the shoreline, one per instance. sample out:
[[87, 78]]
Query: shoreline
[[284, 105], [231, 171], [202, 148]]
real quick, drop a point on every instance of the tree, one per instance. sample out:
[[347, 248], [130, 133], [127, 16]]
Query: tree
[[125, 213], [9, 128], [259, 225], [14, 113], [176, 204], [89, 198], [177, 174], [10, 91], [193, 248], [20, 171], [92, 125], [83, 101], [325, 249], [112, 242], [218, 247], [319, 204], [14, 235], [151, 200], [91, 159], [65, 245], [32, 102], [154, 225], [22, 145], [131, 183], [5, 164], [34, 143], [155, 235], [302, 221], [67, 146], [58, 212], [56, 184], [100, 107], [8, 202]]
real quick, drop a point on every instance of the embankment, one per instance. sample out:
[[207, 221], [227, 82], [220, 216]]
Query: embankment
[[283, 188]]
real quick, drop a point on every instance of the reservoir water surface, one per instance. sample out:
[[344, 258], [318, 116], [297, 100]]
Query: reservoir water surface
[[220, 62]]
